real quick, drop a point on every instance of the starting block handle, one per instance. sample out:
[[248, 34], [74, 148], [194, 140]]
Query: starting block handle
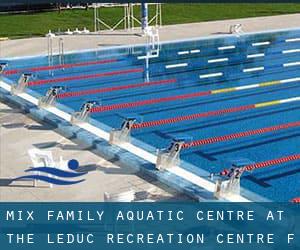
[[122, 135], [22, 83], [170, 157], [50, 97], [3, 65], [127, 123], [84, 113]]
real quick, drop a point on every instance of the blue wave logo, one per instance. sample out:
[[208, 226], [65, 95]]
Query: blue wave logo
[[62, 174]]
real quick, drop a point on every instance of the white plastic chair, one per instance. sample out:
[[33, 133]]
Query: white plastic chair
[[40, 158]]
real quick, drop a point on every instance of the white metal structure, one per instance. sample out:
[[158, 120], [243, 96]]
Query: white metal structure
[[125, 20], [61, 51], [129, 20], [152, 37], [50, 37], [153, 42]]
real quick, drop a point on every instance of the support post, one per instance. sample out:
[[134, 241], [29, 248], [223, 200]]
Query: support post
[[144, 16], [50, 50], [61, 51]]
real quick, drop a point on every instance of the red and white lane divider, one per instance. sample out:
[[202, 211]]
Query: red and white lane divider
[[265, 164], [241, 135], [212, 113], [54, 67], [116, 88], [296, 200], [190, 95], [81, 77]]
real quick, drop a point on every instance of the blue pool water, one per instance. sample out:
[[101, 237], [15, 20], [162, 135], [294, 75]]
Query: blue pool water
[[236, 61]]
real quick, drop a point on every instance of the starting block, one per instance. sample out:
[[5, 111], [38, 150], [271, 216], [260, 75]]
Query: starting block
[[236, 29], [227, 188], [84, 113], [22, 84], [122, 135], [230, 186], [50, 97], [170, 157], [3, 65]]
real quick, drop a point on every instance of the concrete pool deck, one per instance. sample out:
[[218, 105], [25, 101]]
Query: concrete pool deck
[[19, 133], [38, 45], [108, 177]]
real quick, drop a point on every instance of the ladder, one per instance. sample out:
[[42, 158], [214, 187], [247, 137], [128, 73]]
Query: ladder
[[61, 52], [50, 52]]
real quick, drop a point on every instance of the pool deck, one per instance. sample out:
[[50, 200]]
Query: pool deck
[[38, 45], [18, 133], [106, 176]]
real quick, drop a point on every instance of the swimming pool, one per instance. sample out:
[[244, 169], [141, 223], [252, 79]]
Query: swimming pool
[[233, 98]]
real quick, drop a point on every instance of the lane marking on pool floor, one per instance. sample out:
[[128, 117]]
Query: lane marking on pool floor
[[187, 96], [226, 47], [186, 52], [261, 43], [291, 64], [225, 59], [292, 40], [256, 55], [253, 69], [148, 56], [178, 65], [211, 75], [290, 51], [188, 176], [194, 51]]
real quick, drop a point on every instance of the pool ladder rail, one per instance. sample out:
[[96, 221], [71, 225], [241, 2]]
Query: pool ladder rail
[[61, 53]]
